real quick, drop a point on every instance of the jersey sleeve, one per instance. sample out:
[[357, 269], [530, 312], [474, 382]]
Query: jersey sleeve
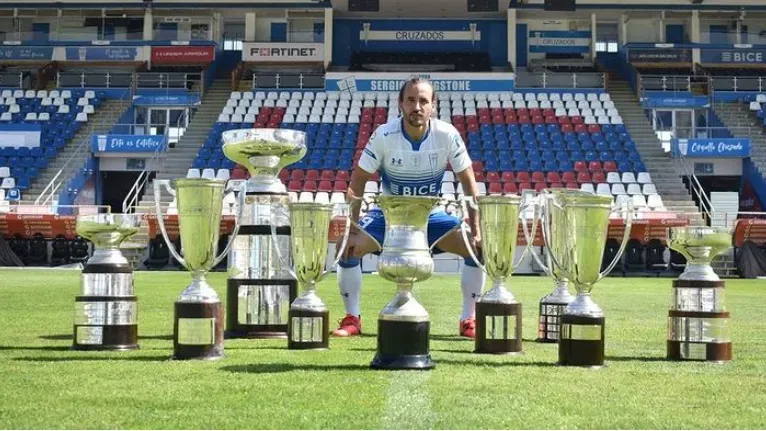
[[372, 153], [458, 154]]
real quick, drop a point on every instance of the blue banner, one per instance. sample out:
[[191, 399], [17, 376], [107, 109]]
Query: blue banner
[[362, 81], [20, 135], [127, 143], [103, 53], [663, 99], [733, 56], [166, 99], [723, 147], [559, 41], [42, 53]]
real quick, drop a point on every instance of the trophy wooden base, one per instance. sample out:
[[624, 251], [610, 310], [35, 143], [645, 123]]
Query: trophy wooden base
[[105, 337], [237, 319], [403, 346], [308, 330], [498, 328], [696, 334], [549, 322], [582, 341], [198, 331]]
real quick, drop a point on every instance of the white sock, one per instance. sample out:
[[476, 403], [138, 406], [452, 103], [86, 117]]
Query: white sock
[[350, 283], [472, 284]]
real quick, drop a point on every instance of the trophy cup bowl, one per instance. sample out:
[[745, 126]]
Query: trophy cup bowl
[[260, 289], [198, 322], [264, 152], [699, 245], [106, 310], [498, 313], [580, 222], [309, 317], [698, 323], [405, 259]]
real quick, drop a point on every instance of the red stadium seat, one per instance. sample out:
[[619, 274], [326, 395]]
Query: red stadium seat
[[580, 128], [572, 186], [294, 186], [507, 177], [340, 186], [568, 177], [583, 177], [309, 186], [479, 175], [342, 176], [510, 188], [580, 166], [325, 186], [297, 175], [478, 166], [495, 189], [523, 177], [595, 166], [598, 177], [610, 166], [540, 187], [284, 175], [556, 185], [553, 177], [525, 186], [328, 175], [594, 128], [493, 177], [538, 177], [312, 175]]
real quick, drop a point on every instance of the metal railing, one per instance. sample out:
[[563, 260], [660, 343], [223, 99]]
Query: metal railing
[[156, 163], [94, 79], [588, 80], [665, 83], [686, 169], [738, 83], [288, 80], [168, 80], [12, 79], [63, 175]]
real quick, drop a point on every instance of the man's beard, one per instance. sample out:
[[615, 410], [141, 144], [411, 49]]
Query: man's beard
[[415, 121]]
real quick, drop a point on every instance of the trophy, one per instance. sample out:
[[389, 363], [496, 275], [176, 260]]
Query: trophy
[[405, 259], [698, 323], [106, 311], [259, 289], [309, 317], [198, 320], [498, 313], [552, 305], [576, 225]]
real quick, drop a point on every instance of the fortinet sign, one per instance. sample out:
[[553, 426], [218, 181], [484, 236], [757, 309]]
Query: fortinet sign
[[282, 52]]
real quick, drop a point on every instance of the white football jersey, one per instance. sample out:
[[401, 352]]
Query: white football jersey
[[414, 168]]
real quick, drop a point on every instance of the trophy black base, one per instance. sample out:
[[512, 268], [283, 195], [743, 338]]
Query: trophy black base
[[105, 337], [498, 328], [582, 341], [403, 346], [198, 331], [711, 352], [308, 330], [549, 322], [236, 328]]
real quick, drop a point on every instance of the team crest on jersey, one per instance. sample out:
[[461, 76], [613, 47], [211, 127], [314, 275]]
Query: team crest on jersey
[[434, 160], [416, 160]]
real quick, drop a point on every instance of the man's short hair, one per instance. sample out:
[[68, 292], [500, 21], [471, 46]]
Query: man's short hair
[[415, 80]]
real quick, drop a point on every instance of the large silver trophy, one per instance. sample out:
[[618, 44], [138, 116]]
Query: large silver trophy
[[552, 305], [576, 224], [698, 323], [309, 317], [106, 312], [498, 313], [405, 259], [198, 317], [260, 289]]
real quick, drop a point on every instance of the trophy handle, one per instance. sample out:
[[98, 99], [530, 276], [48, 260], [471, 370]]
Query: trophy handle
[[546, 238], [530, 238], [628, 206], [235, 231], [528, 249], [275, 240], [464, 231], [161, 221]]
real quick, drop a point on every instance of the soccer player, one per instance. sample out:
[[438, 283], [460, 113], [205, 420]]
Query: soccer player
[[411, 153]]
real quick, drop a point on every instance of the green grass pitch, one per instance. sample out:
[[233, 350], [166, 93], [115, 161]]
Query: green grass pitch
[[261, 385]]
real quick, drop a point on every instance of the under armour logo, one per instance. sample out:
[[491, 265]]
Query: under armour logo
[[344, 294], [395, 161], [475, 295]]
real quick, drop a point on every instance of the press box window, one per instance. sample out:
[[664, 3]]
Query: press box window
[[482, 5], [363, 5]]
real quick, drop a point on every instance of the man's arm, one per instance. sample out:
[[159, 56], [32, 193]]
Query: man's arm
[[468, 181], [359, 178]]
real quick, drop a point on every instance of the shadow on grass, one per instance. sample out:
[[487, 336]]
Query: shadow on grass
[[42, 348], [509, 363], [636, 359], [163, 358], [57, 337], [286, 368], [156, 337]]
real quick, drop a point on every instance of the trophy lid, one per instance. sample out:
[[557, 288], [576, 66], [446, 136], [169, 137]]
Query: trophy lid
[[118, 226], [493, 199], [580, 198], [264, 148]]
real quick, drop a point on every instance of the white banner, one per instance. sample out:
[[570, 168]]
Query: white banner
[[420, 35], [282, 52]]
